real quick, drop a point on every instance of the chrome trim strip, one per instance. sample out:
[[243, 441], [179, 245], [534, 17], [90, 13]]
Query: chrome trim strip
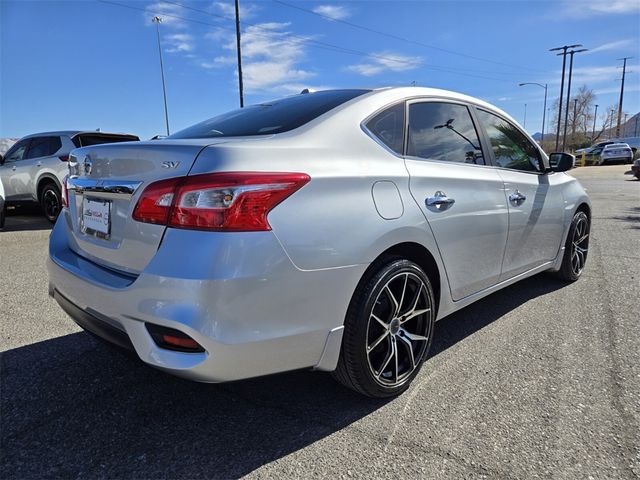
[[105, 188]]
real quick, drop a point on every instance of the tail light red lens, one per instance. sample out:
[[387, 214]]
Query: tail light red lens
[[233, 201], [64, 158], [155, 203]]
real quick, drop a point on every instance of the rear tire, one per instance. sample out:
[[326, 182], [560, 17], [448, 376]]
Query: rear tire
[[576, 248], [50, 201], [388, 329]]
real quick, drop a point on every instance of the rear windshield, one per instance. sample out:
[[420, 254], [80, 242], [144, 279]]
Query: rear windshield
[[611, 146], [88, 139], [270, 117]]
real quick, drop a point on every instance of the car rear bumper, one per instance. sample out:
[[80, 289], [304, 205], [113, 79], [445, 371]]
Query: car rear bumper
[[250, 308]]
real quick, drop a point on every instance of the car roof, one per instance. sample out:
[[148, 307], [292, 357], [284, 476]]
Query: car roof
[[73, 133], [407, 92], [617, 145]]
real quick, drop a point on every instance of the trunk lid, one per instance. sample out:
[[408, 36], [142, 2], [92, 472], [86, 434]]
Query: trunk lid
[[105, 183]]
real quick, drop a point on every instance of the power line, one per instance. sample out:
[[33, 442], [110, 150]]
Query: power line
[[300, 39], [402, 39]]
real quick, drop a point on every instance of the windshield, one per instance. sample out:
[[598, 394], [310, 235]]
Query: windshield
[[271, 117]]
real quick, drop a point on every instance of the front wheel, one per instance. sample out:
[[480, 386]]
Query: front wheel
[[388, 330], [576, 248], [51, 202]]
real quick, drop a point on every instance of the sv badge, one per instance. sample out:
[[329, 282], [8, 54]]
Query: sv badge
[[170, 164]]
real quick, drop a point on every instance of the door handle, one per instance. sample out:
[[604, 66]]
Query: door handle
[[517, 198], [439, 201]]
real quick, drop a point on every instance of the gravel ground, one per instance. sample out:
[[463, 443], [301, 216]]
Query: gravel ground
[[541, 379]]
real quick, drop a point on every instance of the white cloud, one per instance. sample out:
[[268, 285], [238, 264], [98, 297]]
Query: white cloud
[[605, 47], [596, 75], [179, 42], [334, 12], [588, 8], [229, 9], [270, 58], [167, 13], [384, 61]]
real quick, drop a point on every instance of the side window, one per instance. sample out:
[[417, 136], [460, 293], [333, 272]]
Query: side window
[[43, 147], [388, 127], [17, 151], [510, 147], [443, 131]]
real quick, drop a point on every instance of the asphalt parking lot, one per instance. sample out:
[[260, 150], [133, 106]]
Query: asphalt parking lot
[[541, 379]]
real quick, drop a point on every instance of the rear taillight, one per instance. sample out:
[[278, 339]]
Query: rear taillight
[[233, 201], [65, 193]]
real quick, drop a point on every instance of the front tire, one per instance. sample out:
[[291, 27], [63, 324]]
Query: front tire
[[576, 248], [51, 202], [388, 329]]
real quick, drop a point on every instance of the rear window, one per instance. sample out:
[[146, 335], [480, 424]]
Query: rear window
[[270, 117], [88, 139], [612, 146]]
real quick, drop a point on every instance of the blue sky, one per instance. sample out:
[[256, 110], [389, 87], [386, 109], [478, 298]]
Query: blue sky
[[90, 64]]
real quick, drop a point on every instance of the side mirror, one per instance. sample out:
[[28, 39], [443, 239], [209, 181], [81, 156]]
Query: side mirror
[[561, 162]]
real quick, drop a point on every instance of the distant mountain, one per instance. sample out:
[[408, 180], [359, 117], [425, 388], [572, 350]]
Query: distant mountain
[[537, 136], [6, 144]]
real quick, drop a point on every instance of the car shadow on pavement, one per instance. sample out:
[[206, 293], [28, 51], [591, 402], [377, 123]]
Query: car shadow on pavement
[[24, 219], [632, 215], [73, 407]]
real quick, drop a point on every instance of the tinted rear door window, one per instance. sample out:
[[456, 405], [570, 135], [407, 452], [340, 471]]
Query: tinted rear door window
[[88, 139], [270, 117], [43, 146], [443, 131]]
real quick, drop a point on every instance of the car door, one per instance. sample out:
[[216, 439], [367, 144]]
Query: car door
[[13, 172], [534, 199], [41, 158], [461, 196]]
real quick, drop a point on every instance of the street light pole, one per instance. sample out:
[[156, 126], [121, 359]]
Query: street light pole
[[544, 110], [564, 63], [157, 20], [595, 115], [566, 116]]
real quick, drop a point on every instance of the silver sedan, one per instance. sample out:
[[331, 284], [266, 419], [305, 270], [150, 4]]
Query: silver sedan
[[326, 230]]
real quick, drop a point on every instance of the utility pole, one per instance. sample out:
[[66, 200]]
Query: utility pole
[[239, 54], [566, 116], [624, 71], [595, 115], [544, 108], [564, 63], [157, 20]]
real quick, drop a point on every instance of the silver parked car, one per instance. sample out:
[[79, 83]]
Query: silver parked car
[[326, 230], [616, 152], [33, 168]]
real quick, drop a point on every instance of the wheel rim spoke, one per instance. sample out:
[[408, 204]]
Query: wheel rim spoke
[[409, 346], [413, 336], [385, 325], [396, 305], [391, 354], [414, 314], [378, 341]]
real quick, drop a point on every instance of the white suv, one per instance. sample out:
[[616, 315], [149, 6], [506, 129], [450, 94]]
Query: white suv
[[34, 168]]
